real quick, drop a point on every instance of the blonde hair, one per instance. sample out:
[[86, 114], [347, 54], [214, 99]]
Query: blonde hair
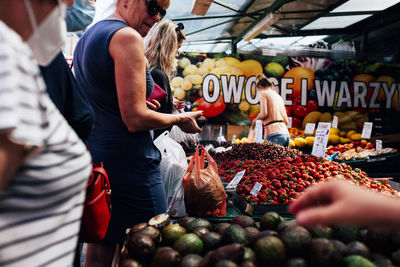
[[161, 44], [262, 81]]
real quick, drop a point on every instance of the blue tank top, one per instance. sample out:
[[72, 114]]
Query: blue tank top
[[94, 71]]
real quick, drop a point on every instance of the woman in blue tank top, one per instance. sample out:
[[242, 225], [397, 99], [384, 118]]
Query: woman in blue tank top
[[109, 64]]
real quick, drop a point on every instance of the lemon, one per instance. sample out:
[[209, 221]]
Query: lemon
[[244, 106], [274, 69], [333, 139], [292, 143], [356, 136], [250, 67], [334, 131], [231, 61], [299, 142], [309, 140], [243, 140], [350, 133], [179, 93]]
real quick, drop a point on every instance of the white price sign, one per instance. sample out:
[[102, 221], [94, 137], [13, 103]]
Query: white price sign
[[236, 180], [367, 130], [321, 139], [256, 188], [233, 138], [289, 124], [258, 132], [335, 121], [378, 145], [309, 128]]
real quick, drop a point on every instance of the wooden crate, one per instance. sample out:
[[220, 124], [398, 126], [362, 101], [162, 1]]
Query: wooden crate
[[234, 130]]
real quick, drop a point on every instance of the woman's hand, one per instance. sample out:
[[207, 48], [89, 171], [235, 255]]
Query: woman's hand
[[178, 105], [343, 202], [188, 123], [153, 104]]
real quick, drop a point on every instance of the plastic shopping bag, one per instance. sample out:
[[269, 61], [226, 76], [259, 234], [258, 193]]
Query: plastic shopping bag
[[204, 192], [173, 169], [186, 140]]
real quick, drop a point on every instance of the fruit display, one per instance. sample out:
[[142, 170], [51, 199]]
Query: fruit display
[[284, 172], [357, 150], [269, 241]]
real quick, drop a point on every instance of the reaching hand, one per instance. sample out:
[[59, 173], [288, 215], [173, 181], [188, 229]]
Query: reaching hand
[[178, 105], [153, 104], [340, 201], [188, 121]]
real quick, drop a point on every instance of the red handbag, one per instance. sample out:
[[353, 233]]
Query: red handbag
[[97, 209], [158, 93]]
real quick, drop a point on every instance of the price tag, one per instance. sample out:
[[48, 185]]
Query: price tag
[[256, 188], [233, 138], [309, 128], [236, 180], [378, 145], [258, 132], [335, 122], [367, 130], [289, 124], [220, 138], [321, 139]]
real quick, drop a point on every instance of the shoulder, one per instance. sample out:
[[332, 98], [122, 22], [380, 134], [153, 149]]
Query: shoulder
[[158, 73], [127, 36]]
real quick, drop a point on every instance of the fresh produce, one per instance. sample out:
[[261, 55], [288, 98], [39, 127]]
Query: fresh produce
[[290, 245]]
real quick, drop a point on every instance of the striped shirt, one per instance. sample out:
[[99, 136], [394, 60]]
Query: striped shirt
[[41, 206]]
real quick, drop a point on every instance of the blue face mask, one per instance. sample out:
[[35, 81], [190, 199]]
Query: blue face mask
[[80, 15]]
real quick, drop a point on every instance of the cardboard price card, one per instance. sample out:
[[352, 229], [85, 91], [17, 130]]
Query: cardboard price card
[[321, 139], [378, 145], [256, 188], [236, 180], [289, 125], [309, 128], [367, 130], [258, 132], [335, 121]]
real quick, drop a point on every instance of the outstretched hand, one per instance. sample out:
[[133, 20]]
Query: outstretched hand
[[188, 122], [343, 202]]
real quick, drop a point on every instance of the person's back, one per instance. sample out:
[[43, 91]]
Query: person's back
[[41, 206], [275, 112]]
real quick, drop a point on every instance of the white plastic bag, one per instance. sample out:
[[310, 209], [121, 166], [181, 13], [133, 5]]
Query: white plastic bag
[[190, 141], [173, 167]]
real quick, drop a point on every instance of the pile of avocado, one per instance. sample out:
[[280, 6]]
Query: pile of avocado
[[272, 241]]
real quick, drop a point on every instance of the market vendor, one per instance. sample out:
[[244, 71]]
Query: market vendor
[[109, 64], [272, 113]]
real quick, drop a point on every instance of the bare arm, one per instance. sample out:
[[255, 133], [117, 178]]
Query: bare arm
[[11, 156], [340, 201], [126, 49]]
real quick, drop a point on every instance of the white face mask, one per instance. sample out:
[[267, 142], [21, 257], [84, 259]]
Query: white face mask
[[49, 37]]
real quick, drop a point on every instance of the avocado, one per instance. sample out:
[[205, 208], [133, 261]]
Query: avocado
[[244, 221], [267, 233], [201, 231], [160, 221], [358, 261], [358, 248], [270, 251], [189, 244], [317, 231], [166, 257], [234, 234], [251, 234], [233, 252], [129, 263], [191, 260], [249, 254], [248, 264], [211, 241], [153, 232], [296, 262], [184, 221], [322, 252], [346, 233], [270, 221], [226, 263], [379, 240], [198, 223], [396, 257], [201, 121], [141, 246], [136, 228], [221, 227], [341, 247], [296, 240], [171, 233], [286, 223]]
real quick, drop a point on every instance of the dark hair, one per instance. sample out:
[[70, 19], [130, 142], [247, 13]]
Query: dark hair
[[262, 81]]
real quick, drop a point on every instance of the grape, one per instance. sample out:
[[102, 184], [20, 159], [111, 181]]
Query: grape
[[187, 84], [179, 93], [208, 63], [196, 79], [176, 82], [202, 71], [189, 70], [183, 62]]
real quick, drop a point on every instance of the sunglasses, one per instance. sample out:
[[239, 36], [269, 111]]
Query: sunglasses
[[153, 8]]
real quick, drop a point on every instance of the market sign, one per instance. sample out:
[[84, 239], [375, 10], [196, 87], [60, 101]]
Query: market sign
[[313, 89]]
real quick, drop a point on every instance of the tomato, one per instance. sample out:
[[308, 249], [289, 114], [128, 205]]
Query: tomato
[[300, 111], [296, 122], [312, 105], [210, 109]]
